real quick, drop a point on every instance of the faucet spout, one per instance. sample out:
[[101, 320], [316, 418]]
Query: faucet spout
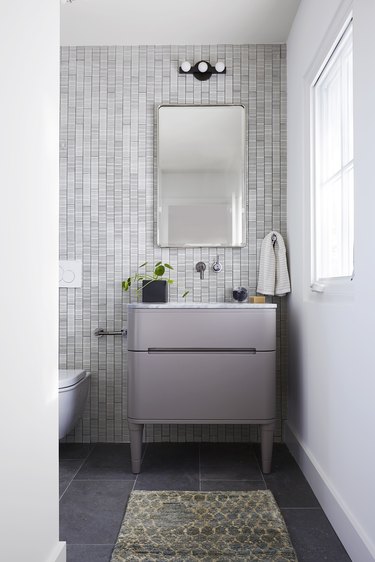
[[200, 267]]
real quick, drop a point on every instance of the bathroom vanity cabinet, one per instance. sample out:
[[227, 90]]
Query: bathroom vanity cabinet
[[212, 363]]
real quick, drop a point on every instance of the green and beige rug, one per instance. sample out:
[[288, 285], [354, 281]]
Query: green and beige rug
[[204, 527]]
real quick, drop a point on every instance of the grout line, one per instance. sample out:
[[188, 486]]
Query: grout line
[[134, 483], [74, 475], [260, 469], [144, 452], [94, 479], [89, 544], [199, 469], [104, 479], [308, 508], [85, 458], [92, 450], [136, 476], [231, 480]]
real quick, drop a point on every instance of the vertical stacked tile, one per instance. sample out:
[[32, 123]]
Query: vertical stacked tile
[[109, 97]]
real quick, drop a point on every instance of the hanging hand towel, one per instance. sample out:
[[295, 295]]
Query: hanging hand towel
[[273, 270]]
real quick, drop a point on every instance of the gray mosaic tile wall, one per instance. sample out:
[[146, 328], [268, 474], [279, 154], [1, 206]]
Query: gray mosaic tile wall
[[108, 100]]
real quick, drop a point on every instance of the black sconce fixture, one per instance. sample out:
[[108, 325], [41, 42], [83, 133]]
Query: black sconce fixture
[[202, 70]]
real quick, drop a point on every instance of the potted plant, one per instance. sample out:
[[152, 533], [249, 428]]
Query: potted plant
[[154, 287]]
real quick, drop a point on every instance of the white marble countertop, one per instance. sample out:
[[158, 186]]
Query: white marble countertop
[[221, 305]]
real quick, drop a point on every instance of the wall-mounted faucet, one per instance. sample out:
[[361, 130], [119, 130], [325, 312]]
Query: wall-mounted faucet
[[201, 267], [216, 266]]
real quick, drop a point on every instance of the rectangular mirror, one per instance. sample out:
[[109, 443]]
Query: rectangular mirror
[[201, 175]]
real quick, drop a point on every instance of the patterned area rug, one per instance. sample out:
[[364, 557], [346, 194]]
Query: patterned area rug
[[203, 527]]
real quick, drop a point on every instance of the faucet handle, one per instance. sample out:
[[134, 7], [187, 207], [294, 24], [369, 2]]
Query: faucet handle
[[216, 266], [201, 267]]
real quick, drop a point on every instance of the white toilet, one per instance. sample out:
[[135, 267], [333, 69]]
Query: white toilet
[[73, 391]]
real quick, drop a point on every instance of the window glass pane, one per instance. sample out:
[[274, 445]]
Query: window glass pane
[[335, 227], [348, 222], [329, 221], [333, 199], [347, 106], [329, 118]]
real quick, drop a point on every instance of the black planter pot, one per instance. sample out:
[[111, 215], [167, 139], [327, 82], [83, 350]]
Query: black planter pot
[[155, 291]]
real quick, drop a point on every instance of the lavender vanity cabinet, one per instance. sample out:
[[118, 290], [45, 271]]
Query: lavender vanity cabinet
[[201, 364]]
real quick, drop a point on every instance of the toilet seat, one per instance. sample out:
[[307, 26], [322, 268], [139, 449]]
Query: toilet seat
[[70, 377]]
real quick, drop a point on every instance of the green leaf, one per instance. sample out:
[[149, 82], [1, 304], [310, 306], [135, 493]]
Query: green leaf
[[168, 266], [159, 270], [157, 263], [125, 285], [185, 294], [143, 264], [170, 281]]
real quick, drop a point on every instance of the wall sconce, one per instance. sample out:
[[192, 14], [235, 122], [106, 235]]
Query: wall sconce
[[202, 70]]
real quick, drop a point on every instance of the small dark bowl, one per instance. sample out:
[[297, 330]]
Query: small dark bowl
[[240, 294]]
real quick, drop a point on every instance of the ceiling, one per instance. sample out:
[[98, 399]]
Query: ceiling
[[174, 22]]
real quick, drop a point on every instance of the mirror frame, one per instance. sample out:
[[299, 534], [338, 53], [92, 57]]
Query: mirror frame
[[157, 193]]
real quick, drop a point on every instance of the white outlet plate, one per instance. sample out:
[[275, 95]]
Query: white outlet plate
[[70, 273]]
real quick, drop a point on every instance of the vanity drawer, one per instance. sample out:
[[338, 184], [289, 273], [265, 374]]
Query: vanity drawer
[[201, 387], [207, 328]]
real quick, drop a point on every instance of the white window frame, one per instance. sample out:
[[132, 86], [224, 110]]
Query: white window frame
[[330, 284]]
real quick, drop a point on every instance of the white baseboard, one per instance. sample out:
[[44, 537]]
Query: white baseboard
[[358, 545], [59, 554]]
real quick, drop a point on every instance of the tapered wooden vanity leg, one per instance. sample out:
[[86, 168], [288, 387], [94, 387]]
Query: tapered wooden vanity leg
[[266, 441], [136, 432]]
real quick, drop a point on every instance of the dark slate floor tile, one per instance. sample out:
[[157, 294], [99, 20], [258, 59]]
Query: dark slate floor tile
[[228, 461], [109, 462], [313, 537], [67, 470], [74, 450], [169, 466], [286, 481], [89, 553], [232, 485], [91, 511]]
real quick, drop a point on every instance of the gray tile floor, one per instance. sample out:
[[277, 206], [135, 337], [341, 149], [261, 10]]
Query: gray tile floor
[[95, 482]]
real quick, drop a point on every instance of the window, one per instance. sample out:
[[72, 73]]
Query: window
[[332, 155]]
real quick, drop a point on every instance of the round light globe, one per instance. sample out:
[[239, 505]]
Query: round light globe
[[202, 66], [219, 66], [186, 66]]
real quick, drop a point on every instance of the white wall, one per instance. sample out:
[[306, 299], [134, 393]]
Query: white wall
[[29, 105], [332, 385], [167, 22]]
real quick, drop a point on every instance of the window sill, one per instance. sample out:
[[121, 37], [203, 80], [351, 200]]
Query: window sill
[[334, 288]]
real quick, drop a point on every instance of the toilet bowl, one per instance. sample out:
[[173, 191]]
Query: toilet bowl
[[73, 391]]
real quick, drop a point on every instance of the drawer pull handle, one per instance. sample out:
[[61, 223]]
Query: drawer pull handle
[[249, 350]]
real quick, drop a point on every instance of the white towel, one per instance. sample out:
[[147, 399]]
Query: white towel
[[273, 270]]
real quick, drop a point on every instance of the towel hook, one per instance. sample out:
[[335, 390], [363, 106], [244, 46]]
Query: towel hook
[[273, 239]]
